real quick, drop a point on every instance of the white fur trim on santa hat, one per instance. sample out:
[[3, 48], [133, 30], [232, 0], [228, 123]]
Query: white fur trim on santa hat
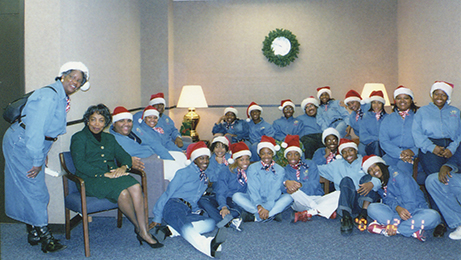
[[353, 98], [254, 107], [346, 145], [123, 115], [221, 139], [287, 103], [292, 148], [442, 86], [199, 152], [377, 98], [231, 109], [309, 100], [241, 153], [150, 112], [268, 145], [157, 100], [370, 161], [403, 90]]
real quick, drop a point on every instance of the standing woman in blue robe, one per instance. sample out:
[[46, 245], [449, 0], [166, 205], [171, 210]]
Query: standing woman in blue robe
[[25, 147]]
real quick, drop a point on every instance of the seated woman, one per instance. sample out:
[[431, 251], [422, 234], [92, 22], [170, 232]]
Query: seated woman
[[103, 178], [257, 128], [287, 124], [358, 107], [331, 113], [231, 179], [330, 138], [369, 129], [229, 125], [437, 142], [264, 198], [404, 210], [146, 154], [178, 204], [395, 133], [219, 158], [146, 129], [302, 182]]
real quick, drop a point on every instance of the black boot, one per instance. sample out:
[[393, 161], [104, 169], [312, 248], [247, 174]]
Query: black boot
[[32, 235], [49, 243]]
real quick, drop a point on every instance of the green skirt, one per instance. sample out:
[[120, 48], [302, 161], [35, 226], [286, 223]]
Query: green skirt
[[108, 188]]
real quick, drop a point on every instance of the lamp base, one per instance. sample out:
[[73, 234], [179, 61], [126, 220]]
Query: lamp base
[[194, 119]]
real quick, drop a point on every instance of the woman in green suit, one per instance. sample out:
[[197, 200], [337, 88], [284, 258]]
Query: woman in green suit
[[94, 153]]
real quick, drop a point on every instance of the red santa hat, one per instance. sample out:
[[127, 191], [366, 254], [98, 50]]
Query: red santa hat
[[238, 150], [369, 160], [330, 131], [158, 98], [251, 107], [291, 143], [352, 95], [268, 142], [121, 113], [196, 150], [322, 90], [377, 95], [222, 139], [445, 86], [346, 143], [403, 90], [310, 100], [286, 102], [149, 111], [231, 109]]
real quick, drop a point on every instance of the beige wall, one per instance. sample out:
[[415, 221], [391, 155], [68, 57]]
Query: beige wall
[[217, 44], [429, 46]]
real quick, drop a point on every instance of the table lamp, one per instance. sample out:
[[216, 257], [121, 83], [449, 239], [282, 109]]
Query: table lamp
[[192, 97]]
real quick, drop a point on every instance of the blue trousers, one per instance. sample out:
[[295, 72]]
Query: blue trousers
[[244, 201], [210, 205], [420, 218], [447, 197], [374, 148], [350, 200], [190, 226], [431, 163], [311, 143]]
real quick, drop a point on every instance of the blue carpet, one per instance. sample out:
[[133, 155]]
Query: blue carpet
[[316, 239]]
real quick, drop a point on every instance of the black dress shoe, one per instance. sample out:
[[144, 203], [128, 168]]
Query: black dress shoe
[[247, 217], [49, 243], [346, 225], [440, 230], [32, 235], [217, 241], [162, 232]]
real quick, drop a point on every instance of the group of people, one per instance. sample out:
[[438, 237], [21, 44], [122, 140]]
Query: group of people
[[235, 178]]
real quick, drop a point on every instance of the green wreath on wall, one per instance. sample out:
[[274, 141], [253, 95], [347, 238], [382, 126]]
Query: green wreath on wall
[[281, 47]]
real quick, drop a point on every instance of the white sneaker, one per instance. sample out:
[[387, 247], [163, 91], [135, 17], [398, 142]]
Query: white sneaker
[[456, 235], [235, 223]]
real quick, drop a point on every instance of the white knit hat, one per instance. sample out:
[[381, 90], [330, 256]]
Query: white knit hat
[[77, 65], [330, 131]]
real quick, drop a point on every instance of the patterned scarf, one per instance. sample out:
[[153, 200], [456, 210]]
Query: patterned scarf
[[158, 130], [268, 167], [385, 191], [231, 125], [203, 176], [67, 103], [379, 115], [297, 167], [359, 114], [331, 157], [242, 177], [405, 113]]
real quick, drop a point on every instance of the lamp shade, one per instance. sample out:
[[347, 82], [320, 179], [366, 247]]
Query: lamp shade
[[370, 87], [192, 97]]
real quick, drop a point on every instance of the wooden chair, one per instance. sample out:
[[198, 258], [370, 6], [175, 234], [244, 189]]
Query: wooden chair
[[77, 201]]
